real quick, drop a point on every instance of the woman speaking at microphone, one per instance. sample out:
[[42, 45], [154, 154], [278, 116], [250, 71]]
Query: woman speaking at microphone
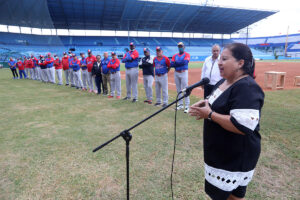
[[231, 116]]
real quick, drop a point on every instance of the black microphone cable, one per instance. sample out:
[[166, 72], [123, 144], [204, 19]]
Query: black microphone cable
[[172, 168]]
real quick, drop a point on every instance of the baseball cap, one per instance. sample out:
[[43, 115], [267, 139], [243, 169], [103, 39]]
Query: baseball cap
[[146, 50], [48, 54], [65, 53], [131, 44], [113, 53], [180, 44], [158, 48], [89, 51]]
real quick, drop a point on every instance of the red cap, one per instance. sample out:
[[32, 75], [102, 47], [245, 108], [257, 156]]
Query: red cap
[[158, 48], [49, 54]]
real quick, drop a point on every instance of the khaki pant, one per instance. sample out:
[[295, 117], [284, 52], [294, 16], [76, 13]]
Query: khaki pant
[[105, 80]]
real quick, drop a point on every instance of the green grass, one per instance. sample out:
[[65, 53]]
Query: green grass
[[47, 133]]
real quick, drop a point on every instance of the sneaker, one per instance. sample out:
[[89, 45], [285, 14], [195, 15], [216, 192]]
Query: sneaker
[[157, 104], [67, 84], [126, 98], [110, 96], [77, 88], [134, 100], [164, 105], [179, 107], [146, 101], [83, 89], [149, 101], [90, 91], [186, 110], [118, 97], [95, 91], [72, 85]]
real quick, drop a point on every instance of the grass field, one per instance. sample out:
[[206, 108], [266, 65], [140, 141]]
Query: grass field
[[47, 133]]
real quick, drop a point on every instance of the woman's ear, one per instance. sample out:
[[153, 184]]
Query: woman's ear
[[241, 63]]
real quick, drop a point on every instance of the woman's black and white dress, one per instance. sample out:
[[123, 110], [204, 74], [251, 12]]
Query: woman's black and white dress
[[230, 158]]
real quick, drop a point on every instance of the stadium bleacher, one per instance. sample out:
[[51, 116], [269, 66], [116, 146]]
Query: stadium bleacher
[[199, 48]]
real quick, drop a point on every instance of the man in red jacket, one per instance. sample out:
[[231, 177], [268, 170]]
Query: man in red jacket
[[58, 69], [30, 65], [65, 65], [51, 71], [21, 67], [36, 68], [115, 77], [44, 70], [89, 63]]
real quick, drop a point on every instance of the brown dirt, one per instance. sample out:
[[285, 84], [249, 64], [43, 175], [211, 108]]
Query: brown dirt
[[292, 69]]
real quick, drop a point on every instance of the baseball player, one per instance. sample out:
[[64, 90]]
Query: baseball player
[[161, 64], [58, 69], [84, 71], [146, 64], [65, 64], [132, 72], [115, 76], [89, 63], [180, 62], [26, 67], [36, 68], [30, 66], [21, 67], [71, 73], [75, 63], [51, 71], [12, 65], [44, 70]]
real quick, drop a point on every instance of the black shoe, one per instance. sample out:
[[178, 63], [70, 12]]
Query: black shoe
[[67, 84], [134, 100], [164, 105], [126, 98], [72, 85], [77, 88], [157, 104]]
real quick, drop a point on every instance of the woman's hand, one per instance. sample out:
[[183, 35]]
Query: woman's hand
[[200, 110]]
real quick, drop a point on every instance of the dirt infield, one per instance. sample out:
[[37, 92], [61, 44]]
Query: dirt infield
[[292, 69]]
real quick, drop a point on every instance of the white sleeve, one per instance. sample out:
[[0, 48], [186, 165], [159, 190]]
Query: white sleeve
[[203, 69]]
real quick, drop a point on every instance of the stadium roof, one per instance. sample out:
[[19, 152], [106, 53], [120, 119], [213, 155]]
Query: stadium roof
[[131, 15]]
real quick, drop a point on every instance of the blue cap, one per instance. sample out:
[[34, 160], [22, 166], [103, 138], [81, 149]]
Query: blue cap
[[146, 49]]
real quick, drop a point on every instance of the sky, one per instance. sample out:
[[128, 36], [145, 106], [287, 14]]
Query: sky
[[277, 24]]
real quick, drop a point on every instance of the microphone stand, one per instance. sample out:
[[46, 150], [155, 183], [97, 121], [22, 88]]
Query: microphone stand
[[126, 135]]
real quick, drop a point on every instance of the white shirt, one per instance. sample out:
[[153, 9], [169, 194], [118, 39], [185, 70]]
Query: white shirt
[[211, 70]]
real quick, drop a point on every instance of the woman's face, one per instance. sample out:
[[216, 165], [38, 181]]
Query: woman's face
[[228, 65]]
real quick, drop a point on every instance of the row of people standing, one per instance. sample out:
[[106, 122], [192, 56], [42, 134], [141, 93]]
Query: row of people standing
[[96, 74]]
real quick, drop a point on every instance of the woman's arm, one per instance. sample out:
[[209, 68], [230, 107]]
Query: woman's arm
[[225, 122], [202, 109]]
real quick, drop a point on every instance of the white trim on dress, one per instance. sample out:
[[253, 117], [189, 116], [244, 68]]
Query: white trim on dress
[[227, 180]]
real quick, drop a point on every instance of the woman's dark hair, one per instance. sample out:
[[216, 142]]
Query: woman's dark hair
[[242, 52]]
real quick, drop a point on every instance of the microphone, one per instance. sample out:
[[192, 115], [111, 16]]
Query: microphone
[[204, 81]]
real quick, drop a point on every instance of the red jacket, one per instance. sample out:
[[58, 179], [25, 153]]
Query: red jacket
[[29, 64], [90, 62], [65, 62], [57, 64], [20, 65]]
